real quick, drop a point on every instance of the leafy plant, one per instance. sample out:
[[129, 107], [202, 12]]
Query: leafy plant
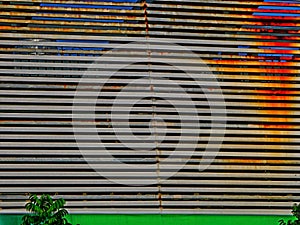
[[296, 213], [45, 211]]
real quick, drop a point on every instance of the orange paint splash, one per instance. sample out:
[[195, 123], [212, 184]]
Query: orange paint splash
[[277, 100], [278, 90]]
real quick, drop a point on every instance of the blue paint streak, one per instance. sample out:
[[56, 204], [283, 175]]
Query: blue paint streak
[[278, 48], [277, 14], [277, 55], [281, 1], [84, 20]]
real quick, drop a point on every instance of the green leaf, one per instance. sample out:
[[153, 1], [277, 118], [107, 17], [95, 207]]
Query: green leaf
[[45, 211], [281, 222]]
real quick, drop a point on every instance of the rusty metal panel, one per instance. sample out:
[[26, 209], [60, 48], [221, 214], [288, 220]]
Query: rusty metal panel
[[197, 111]]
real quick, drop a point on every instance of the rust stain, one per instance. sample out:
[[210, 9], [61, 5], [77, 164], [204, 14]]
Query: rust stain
[[72, 9], [81, 2], [257, 161], [253, 3], [114, 88], [71, 30], [109, 24], [145, 6], [251, 63], [80, 16]]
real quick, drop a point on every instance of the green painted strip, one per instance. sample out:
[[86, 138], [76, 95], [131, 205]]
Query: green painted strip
[[159, 220]]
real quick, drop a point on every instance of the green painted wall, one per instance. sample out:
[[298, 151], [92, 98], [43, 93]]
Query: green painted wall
[[158, 220]]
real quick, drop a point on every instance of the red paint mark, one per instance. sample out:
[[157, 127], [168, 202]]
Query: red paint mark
[[278, 44], [280, 51], [253, 161], [275, 17], [290, 38], [286, 57], [275, 92], [276, 11], [280, 24]]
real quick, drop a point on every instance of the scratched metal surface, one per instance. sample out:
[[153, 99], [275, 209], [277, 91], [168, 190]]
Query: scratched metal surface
[[252, 47]]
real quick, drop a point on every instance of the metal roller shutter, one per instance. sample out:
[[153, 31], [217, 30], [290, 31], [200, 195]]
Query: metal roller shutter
[[150, 107]]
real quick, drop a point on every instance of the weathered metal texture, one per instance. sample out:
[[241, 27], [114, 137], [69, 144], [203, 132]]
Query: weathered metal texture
[[252, 47]]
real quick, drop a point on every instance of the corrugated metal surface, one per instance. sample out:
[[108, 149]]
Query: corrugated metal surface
[[188, 83]]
